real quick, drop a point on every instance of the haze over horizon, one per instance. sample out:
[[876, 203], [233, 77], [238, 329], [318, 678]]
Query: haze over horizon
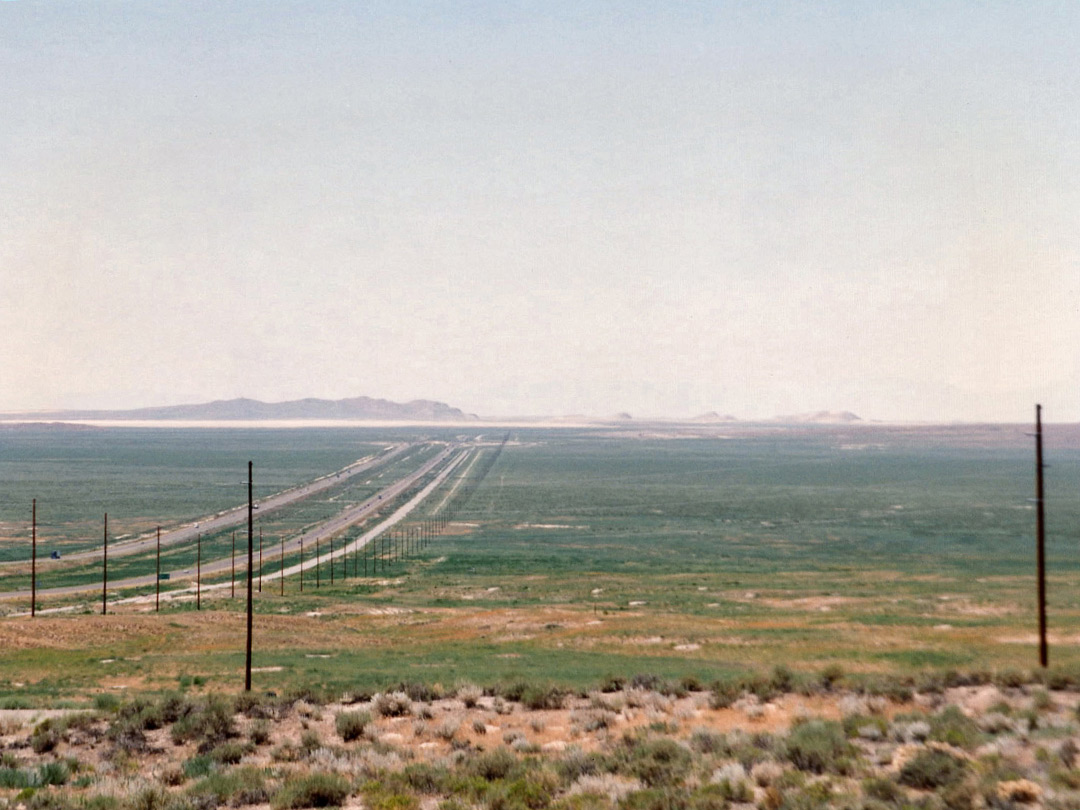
[[557, 208]]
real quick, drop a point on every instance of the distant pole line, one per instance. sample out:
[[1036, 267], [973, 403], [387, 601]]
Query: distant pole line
[[157, 575], [251, 560], [1040, 532], [105, 567], [198, 573], [33, 559], [232, 591]]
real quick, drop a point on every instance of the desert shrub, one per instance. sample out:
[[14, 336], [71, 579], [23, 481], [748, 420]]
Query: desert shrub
[[831, 676], [931, 769], [709, 797], [952, 726], [419, 692], [469, 695], [127, 735], [350, 725], [884, 790], [392, 704], [175, 706], [612, 683], [46, 737], [527, 792], [210, 724], [425, 778], [150, 798], [657, 763], [492, 765], [655, 799], [310, 741], [106, 703], [819, 747], [15, 778], [228, 753], [381, 796], [198, 766], [312, 790], [724, 693], [543, 697], [812, 796], [237, 787], [704, 741], [782, 679], [577, 763], [259, 733]]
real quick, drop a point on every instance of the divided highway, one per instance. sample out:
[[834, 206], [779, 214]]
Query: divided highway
[[450, 457]]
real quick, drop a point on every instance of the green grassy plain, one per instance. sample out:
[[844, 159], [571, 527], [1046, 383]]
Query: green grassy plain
[[588, 553]]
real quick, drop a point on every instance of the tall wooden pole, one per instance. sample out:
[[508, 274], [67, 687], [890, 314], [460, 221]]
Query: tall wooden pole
[[251, 561], [318, 564], [1040, 531], [301, 563], [33, 559], [157, 574], [198, 573], [232, 588], [282, 577], [105, 567], [331, 559], [260, 559]]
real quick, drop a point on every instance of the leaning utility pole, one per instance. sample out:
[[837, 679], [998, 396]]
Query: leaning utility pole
[[1040, 536], [251, 561], [33, 559]]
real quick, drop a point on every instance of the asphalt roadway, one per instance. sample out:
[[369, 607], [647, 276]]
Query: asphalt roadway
[[233, 517], [332, 526]]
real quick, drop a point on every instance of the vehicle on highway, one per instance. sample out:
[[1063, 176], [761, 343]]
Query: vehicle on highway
[[54, 555]]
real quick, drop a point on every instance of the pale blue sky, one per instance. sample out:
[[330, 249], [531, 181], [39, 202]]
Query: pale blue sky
[[543, 208]]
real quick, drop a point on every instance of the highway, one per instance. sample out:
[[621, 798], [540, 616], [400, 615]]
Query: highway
[[334, 525], [233, 517]]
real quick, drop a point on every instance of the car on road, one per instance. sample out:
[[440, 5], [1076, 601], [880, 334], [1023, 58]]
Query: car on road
[[54, 555]]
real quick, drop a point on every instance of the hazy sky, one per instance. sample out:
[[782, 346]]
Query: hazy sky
[[543, 207]]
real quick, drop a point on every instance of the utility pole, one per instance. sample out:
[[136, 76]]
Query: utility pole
[[157, 575], [251, 550], [301, 563], [232, 588], [1040, 532], [318, 564], [260, 559], [198, 573], [33, 559], [331, 559], [105, 567], [282, 565]]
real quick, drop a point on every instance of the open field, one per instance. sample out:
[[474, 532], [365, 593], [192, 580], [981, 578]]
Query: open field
[[588, 553], [794, 610]]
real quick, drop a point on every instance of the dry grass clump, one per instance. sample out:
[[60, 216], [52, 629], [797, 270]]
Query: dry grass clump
[[391, 704]]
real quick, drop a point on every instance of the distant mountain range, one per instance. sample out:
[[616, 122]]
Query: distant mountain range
[[421, 410]]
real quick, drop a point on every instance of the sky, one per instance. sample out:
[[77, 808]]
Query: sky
[[543, 207]]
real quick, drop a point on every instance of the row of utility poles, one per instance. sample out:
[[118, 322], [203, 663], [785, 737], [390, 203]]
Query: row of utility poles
[[383, 550]]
